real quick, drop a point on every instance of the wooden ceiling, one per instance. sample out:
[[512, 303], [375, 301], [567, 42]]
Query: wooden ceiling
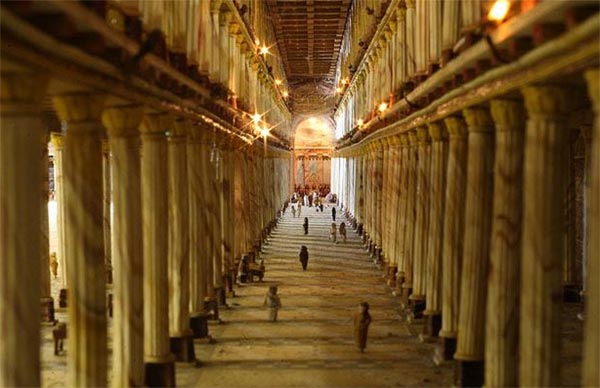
[[309, 36]]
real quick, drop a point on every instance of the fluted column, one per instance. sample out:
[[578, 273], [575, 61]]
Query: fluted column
[[84, 237], [452, 246], [386, 154], [591, 350], [370, 198], [57, 140], [433, 269], [421, 221], [21, 135], [128, 303], [394, 209], [502, 324], [196, 233], [378, 198], [181, 336], [410, 215], [401, 219], [478, 214], [160, 368], [544, 195]]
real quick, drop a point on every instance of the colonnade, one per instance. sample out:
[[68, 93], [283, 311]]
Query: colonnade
[[471, 234], [177, 192]]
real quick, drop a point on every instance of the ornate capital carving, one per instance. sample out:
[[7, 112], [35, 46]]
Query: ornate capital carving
[[547, 100], [79, 108], [423, 135], [123, 121], [437, 131], [456, 126], [508, 115], [412, 137], [21, 92], [478, 119], [156, 124]]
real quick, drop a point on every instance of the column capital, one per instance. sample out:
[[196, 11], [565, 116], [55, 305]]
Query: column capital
[[508, 115], [592, 77], [437, 131], [156, 124], [412, 137], [478, 119], [57, 140], [423, 135], [123, 121], [22, 92], [456, 126], [410, 4], [547, 100], [179, 130], [79, 107]]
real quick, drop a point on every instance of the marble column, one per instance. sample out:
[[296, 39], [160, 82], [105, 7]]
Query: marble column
[[198, 315], [452, 245], [421, 222], [57, 140], [401, 219], [207, 214], [107, 194], [502, 323], [378, 199], [84, 237], [433, 269], [21, 135], [386, 155], [476, 245], [544, 198], [394, 183], [410, 216], [46, 301], [591, 350], [181, 336], [160, 366], [128, 302]]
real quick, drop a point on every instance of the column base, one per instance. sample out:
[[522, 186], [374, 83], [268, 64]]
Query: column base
[[377, 255], [211, 305], [468, 373], [183, 348], [416, 307], [406, 292], [445, 350], [359, 229], [433, 325], [62, 298], [199, 325], [221, 294], [571, 293], [47, 309], [160, 374], [391, 275]]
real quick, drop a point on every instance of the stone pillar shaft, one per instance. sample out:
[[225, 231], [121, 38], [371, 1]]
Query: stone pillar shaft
[[84, 238], [542, 239], [159, 361], [502, 325], [21, 135], [59, 196], [106, 222], [402, 200], [591, 351], [128, 303], [479, 194], [452, 246], [433, 271]]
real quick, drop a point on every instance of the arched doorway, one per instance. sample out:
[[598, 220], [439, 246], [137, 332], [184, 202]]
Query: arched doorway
[[313, 143]]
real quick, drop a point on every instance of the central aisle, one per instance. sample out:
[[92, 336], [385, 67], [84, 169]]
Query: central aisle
[[311, 345]]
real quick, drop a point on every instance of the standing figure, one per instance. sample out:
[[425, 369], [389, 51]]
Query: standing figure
[[305, 225], [299, 208], [273, 302], [343, 231], [333, 232], [304, 257], [294, 210], [321, 206], [333, 213], [305, 198], [54, 265], [362, 320]]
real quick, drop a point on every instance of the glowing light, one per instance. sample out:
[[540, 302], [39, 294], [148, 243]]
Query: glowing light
[[345, 81], [264, 132], [256, 117], [360, 122], [383, 106], [499, 10], [277, 81], [264, 50], [338, 90], [257, 42], [312, 121], [285, 94]]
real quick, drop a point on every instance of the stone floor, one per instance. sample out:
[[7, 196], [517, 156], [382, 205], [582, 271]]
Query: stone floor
[[311, 345]]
